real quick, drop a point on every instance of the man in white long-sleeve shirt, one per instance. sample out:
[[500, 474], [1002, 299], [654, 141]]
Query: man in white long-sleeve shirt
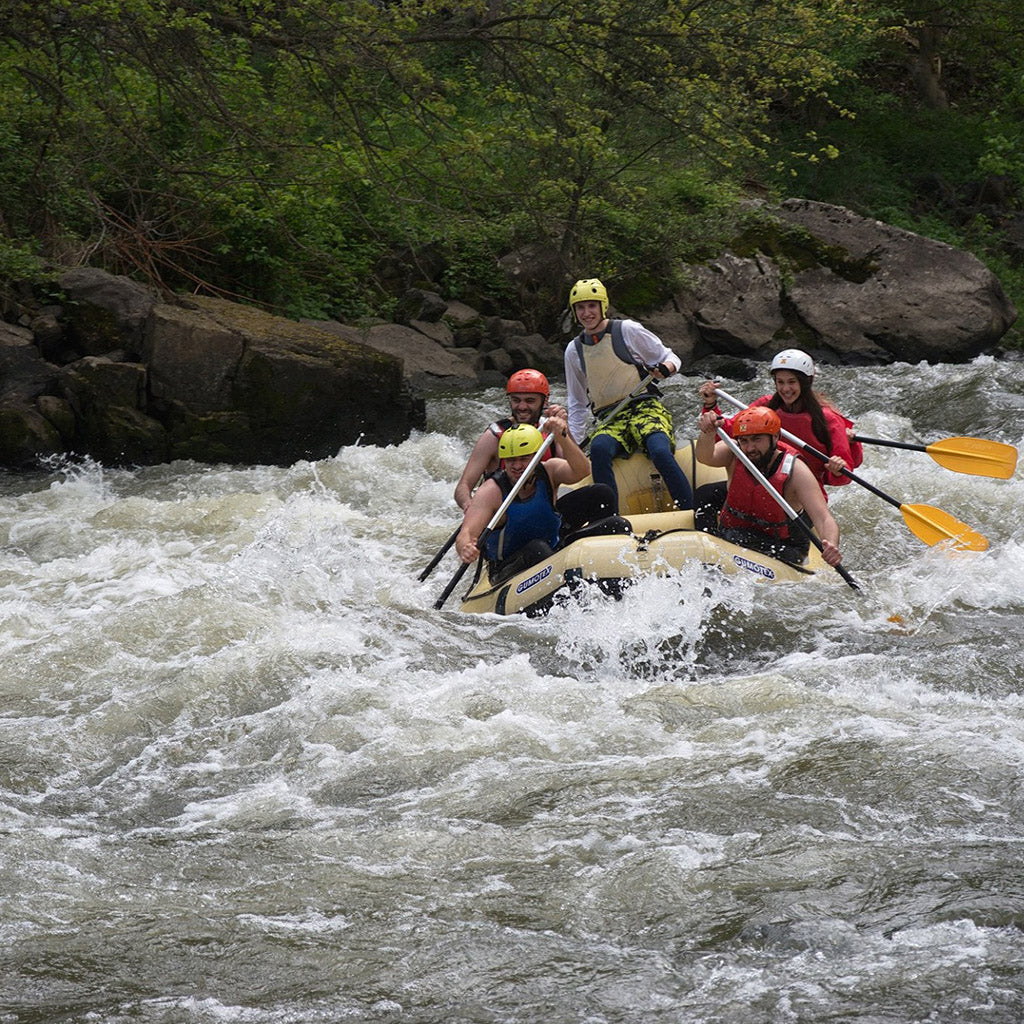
[[603, 364]]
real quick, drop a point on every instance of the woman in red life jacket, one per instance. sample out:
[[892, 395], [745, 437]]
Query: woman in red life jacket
[[805, 414], [749, 515]]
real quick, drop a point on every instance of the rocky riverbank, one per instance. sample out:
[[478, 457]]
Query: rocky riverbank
[[118, 373]]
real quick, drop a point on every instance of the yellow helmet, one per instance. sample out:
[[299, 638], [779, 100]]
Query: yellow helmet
[[522, 439], [590, 290]]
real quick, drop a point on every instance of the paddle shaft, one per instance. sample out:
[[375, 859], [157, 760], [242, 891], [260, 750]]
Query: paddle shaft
[[890, 444], [793, 515], [437, 558], [496, 518]]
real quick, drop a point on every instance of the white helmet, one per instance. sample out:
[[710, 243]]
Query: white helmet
[[793, 359]]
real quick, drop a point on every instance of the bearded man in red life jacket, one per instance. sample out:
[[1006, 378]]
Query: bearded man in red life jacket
[[529, 397], [748, 514]]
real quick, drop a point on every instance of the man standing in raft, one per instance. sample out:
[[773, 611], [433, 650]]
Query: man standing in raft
[[528, 394], [603, 364], [751, 517]]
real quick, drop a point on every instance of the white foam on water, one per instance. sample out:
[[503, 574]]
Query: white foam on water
[[233, 730]]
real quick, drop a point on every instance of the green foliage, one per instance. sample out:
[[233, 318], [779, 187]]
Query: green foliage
[[19, 263], [953, 173], [282, 153], [278, 151]]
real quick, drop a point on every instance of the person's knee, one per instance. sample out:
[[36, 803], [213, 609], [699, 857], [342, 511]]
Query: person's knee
[[603, 497], [658, 445], [603, 449], [529, 554], [707, 503], [659, 451]]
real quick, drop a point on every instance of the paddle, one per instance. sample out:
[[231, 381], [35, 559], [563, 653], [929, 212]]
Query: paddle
[[584, 445], [496, 518], [437, 558], [931, 525], [793, 515], [972, 455]]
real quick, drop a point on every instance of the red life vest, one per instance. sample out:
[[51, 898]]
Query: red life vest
[[799, 425], [749, 506]]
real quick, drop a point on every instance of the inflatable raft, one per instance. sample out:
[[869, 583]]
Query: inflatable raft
[[661, 541]]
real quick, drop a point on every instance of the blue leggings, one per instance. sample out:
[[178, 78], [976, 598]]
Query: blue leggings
[[604, 448]]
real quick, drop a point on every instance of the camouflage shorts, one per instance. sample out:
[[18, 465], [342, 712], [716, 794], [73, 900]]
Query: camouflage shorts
[[637, 422]]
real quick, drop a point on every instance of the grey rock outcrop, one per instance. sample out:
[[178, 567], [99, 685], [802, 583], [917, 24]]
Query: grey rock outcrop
[[919, 299], [238, 384], [844, 287], [460, 348], [104, 312], [144, 381], [423, 358]]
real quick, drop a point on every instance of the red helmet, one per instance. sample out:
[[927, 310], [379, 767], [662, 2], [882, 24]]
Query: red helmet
[[757, 420], [529, 382]]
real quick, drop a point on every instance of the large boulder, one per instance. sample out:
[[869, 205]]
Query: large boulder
[[26, 435], [260, 388], [104, 312], [739, 307], [461, 349], [915, 299], [108, 401], [423, 359], [845, 287]]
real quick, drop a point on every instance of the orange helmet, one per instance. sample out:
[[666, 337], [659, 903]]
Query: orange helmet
[[758, 420], [530, 382]]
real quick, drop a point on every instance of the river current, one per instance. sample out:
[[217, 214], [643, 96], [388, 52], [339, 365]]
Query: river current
[[249, 774]]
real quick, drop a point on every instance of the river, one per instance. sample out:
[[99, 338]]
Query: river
[[249, 774]]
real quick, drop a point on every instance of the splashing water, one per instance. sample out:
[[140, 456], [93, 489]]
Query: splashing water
[[247, 773]]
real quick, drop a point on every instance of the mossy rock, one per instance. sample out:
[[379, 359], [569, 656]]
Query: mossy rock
[[796, 249]]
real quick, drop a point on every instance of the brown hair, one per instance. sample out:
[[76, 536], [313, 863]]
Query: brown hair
[[811, 402]]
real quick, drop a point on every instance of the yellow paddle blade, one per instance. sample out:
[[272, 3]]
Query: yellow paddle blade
[[933, 526], [976, 456]]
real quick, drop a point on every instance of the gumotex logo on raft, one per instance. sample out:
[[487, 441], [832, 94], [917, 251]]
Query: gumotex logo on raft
[[761, 570], [534, 579]]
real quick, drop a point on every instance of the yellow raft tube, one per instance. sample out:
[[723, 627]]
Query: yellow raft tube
[[662, 540]]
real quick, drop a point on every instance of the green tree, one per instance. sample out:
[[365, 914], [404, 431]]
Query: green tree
[[277, 150]]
